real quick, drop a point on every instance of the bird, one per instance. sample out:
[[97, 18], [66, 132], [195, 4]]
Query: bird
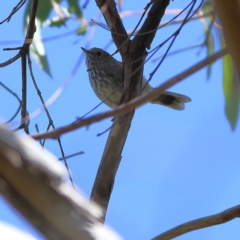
[[106, 79]]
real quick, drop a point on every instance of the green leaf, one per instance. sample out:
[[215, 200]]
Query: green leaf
[[231, 90], [44, 9], [75, 8], [207, 8], [57, 22], [37, 47], [209, 44], [83, 28], [38, 50]]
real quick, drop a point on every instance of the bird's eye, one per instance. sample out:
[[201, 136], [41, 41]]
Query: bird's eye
[[99, 54]]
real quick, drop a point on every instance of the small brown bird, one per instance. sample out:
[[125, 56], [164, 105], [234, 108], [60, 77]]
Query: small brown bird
[[106, 79]]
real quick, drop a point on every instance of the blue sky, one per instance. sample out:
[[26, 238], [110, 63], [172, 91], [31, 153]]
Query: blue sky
[[176, 166]]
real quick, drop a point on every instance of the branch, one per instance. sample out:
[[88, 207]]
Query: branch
[[32, 181], [204, 222], [29, 36], [138, 101], [229, 14], [15, 9], [114, 22], [150, 25], [18, 99], [133, 56], [50, 120]]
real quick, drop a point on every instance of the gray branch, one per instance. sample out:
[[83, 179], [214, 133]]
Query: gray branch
[[33, 181]]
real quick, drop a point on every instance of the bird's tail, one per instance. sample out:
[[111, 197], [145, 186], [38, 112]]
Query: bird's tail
[[172, 100]]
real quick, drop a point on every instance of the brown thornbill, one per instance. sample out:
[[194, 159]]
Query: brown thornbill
[[106, 79]]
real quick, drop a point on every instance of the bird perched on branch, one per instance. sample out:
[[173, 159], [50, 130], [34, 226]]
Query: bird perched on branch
[[106, 79]]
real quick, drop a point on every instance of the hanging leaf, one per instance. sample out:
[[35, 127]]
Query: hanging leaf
[[56, 22], [210, 45], [207, 8], [75, 8], [37, 47], [83, 28], [45, 7], [38, 51], [231, 90]]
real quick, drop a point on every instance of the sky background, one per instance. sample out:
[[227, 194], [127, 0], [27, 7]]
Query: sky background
[[177, 165]]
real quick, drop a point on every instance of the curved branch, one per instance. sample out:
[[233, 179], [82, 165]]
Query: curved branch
[[204, 222], [10, 61]]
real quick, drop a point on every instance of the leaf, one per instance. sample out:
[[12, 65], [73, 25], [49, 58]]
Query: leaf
[[83, 28], [37, 47], [207, 8], [44, 9], [210, 45], [56, 22], [75, 8], [231, 90], [38, 50]]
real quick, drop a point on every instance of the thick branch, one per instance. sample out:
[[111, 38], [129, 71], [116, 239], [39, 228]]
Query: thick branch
[[229, 14], [133, 62], [150, 25], [204, 222], [110, 161], [32, 180], [114, 22]]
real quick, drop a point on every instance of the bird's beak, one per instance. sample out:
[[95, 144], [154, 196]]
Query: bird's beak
[[85, 50]]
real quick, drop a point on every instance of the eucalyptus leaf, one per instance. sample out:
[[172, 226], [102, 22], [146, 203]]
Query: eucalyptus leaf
[[231, 90]]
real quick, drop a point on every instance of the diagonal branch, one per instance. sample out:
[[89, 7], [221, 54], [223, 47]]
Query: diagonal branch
[[150, 25], [204, 222], [33, 182], [114, 22], [140, 100]]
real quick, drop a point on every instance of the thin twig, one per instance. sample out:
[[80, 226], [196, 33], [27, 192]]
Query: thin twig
[[68, 80], [15, 9], [172, 21], [22, 53], [37, 129], [10, 61], [24, 95], [49, 116], [17, 97], [72, 155], [12, 49], [48, 127], [180, 50], [188, 16]]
